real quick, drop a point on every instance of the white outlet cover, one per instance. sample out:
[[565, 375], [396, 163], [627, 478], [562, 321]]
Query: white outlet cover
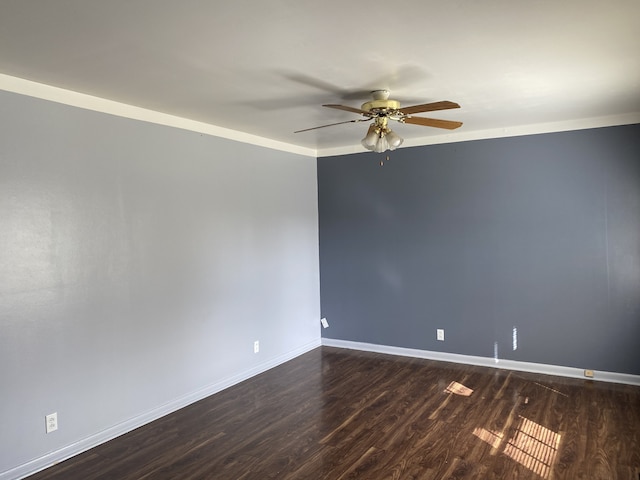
[[324, 322], [51, 422], [256, 346], [440, 334]]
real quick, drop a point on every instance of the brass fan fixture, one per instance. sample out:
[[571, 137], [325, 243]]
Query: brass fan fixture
[[381, 109]]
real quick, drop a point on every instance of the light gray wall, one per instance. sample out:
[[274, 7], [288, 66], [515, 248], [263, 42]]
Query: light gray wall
[[138, 263], [540, 232]]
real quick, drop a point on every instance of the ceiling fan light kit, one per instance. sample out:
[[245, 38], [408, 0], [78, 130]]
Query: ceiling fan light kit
[[381, 109], [381, 138]]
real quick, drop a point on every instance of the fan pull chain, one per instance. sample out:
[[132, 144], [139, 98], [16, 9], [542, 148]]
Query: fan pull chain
[[382, 161]]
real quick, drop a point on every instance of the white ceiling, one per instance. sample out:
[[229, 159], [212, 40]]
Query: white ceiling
[[266, 67]]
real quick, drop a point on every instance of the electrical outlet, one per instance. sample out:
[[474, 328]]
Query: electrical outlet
[[588, 373], [440, 334], [256, 346], [51, 422], [324, 323]]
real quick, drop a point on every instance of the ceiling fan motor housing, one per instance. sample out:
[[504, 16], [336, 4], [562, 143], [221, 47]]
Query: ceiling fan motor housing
[[381, 106]]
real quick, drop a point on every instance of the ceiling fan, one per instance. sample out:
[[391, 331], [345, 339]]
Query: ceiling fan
[[381, 109]]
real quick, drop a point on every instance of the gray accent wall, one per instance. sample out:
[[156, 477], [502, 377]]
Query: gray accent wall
[[540, 233], [138, 264]]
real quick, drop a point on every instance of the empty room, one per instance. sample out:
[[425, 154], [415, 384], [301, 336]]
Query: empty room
[[319, 240]]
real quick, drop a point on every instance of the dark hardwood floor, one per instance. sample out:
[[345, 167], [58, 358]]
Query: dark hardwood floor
[[339, 414]]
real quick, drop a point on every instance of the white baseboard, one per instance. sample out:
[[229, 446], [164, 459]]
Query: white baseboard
[[74, 449], [561, 371]]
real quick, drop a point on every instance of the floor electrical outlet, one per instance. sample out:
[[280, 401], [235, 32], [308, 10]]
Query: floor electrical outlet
[[256, 346], [51, 422], [588, 373], [440, 334]]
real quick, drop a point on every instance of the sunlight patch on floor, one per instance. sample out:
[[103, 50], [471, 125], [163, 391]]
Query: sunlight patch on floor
[[458, 389], [492, 438], [532, 445]]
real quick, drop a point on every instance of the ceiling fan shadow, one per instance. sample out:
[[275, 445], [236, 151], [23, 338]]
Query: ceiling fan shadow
[[399, 78], [327, 92]]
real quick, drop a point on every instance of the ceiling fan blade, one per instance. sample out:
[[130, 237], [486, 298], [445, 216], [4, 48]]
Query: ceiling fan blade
[[349, 109], [332, 124], [429, 107], [432, 122]]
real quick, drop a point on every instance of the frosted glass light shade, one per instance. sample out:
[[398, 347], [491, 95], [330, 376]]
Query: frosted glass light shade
[[381, 145], [381, 139], [370, 139], [393, 139]]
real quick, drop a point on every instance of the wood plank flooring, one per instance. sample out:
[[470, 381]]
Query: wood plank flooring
[[338, 414]]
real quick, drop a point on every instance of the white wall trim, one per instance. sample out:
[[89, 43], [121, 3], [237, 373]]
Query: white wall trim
[[485, 361], [85, 444], [89, 102], [516, 131]]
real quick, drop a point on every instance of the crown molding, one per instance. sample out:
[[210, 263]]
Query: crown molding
[[516, 131], [97, 104]]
